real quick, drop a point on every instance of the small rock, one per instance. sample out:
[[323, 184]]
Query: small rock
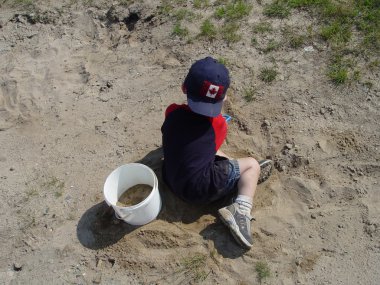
[[309, 49], [350, 168], [17, 266], [266, 123], [355, 179], [313, 216], [288, 146], [99, 263], [11, 169], [109, 84], [370, 229], [340, 226]]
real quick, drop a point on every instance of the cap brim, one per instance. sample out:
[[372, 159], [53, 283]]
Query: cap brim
[[205, 109]]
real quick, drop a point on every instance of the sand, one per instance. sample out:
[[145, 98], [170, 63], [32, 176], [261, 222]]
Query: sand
[[134, 195], [82, 92]]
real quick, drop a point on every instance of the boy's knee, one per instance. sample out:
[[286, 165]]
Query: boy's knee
[[254, 164]]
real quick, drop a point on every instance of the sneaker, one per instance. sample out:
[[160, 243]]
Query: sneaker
[[238, 223], [266, 167]]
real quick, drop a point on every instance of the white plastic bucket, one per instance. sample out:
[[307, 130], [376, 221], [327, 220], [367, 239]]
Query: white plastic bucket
[[123, 178]]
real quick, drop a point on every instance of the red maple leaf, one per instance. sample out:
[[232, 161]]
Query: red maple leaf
[[212, 91]]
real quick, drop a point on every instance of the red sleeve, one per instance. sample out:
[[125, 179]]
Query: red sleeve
[[220, 128], [173, 107]]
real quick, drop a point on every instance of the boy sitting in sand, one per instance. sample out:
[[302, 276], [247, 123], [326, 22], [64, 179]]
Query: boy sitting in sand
[[194, 167]]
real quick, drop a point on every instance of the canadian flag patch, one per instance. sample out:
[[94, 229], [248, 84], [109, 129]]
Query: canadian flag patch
[[211, 91]]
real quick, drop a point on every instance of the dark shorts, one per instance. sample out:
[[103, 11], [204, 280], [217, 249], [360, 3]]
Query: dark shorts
[[218, 182], [229, 183]]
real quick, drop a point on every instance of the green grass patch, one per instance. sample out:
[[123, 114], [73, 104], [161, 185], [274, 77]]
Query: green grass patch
[[336, 32], [230, 32], [183, 14], [277, 9], [271, 46], [208, 29], [296, 41], [262, 270], [179, 31], [194, 266], [262, 28], [268, 74], [233, 11], [249, 94], [55, 185], [338, 74], [340, 18], [201, 4], [224, 61], [373, 65], [254, 42], [54, 182], [338, 70]]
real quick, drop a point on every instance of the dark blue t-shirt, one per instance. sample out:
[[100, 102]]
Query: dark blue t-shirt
[[190, 142]]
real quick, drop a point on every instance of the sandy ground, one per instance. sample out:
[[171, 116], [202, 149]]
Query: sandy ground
[[82, 93]]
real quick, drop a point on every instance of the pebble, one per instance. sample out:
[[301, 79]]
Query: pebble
[[308, 48], [298, 261], [313, 216], [370, 229], [266, 123], [11, 169], [340, 226], [289, 146], [17, 266], [350, 168], [99, 262]]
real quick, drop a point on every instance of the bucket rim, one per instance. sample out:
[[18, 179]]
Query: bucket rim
[[154, 187]]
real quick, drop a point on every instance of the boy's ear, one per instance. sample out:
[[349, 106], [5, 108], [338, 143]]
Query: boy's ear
[[184, 90]]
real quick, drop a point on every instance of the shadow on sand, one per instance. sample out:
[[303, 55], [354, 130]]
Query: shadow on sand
[[99, 228]]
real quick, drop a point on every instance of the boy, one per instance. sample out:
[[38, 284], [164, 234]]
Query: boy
[[194, 167]]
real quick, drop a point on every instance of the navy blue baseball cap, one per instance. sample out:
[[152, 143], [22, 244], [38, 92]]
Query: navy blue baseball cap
[[206, 86]]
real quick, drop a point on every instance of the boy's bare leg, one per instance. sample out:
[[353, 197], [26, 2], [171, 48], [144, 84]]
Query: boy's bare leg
[[237, 216], [249, 175]]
